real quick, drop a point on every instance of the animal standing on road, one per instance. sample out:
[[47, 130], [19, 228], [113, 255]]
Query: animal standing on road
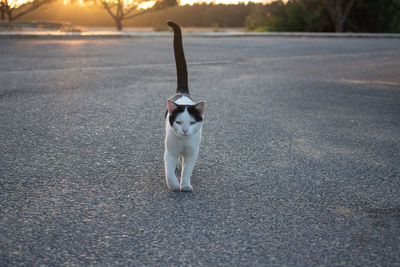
[[183, 124]]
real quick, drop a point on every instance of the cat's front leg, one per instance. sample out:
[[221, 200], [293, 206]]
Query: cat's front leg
[[188, 165], [170, 162]]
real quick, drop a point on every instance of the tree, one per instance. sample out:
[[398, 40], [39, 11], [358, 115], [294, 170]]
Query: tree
[[266, 17], [121, 10], [292, 15], [339, 10], [3, 10], [15, 11], [375, 16], [307, 15]]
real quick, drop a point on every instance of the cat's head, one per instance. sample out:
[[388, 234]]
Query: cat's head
[[186, 120]]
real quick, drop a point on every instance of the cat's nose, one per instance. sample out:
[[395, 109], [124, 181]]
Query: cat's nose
[[185, 131]]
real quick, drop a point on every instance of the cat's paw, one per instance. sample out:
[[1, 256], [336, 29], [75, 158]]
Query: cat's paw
[[173, 186], [186, 188]]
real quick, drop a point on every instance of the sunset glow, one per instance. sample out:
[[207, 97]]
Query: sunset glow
[[79, 2], [191, 2], [148, 4], [143, 5], [16, 3]]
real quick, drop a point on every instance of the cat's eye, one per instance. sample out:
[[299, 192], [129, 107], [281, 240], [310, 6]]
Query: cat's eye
[[192, 122], [179, 122]]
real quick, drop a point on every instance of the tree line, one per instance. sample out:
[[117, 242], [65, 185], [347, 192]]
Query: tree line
[[291, 15], [327, 16]]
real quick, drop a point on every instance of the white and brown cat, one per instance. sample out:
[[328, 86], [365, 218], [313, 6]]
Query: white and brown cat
[[183, 124]]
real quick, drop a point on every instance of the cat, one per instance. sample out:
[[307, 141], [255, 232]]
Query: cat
[[183, 124]]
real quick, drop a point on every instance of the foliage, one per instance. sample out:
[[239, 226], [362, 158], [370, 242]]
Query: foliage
[[295, 15], [257, 20], [375, 16], [307, 15], [12, 10], [315, 16]]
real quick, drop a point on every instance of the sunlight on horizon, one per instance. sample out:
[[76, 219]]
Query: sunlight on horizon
[[191, 2], [16, 3], [148, 4]]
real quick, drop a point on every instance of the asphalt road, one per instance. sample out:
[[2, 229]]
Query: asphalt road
[[299, 163]]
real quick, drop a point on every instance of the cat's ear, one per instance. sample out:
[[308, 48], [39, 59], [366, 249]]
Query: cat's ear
[[200, 107], [171, 106]]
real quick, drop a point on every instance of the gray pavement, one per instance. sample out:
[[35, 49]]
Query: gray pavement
[[299, 163]]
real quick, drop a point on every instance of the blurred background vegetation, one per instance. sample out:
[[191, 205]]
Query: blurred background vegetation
[[293, 15]]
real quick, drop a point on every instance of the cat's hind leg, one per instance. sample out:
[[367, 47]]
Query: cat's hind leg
[[170, 162]]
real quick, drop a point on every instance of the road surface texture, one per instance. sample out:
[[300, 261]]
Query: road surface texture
[[299, 162]]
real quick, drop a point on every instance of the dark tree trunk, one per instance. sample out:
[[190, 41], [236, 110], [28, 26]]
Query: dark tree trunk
[[10, 16], [119, 24], [3, 17], [339, 25], [337, 13]]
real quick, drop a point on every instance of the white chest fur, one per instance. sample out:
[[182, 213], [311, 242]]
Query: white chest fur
[[181, 145]]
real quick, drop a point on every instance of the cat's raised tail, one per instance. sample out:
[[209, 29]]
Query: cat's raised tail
[[181, 68]]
